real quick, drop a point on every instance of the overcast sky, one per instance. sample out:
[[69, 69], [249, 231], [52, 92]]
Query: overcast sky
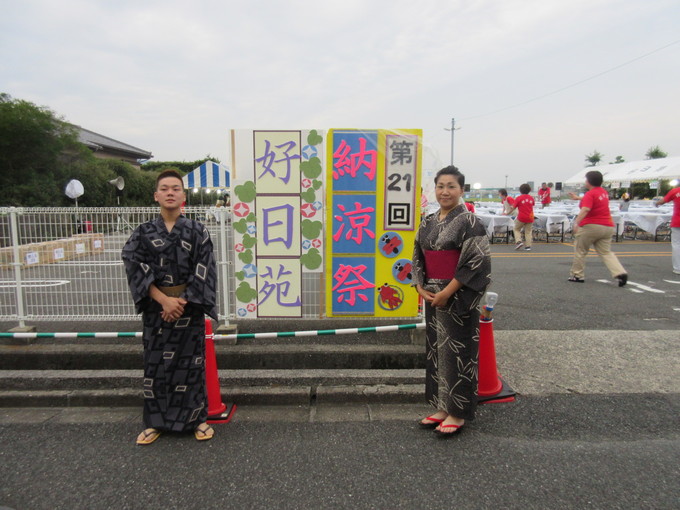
[[174, 77]]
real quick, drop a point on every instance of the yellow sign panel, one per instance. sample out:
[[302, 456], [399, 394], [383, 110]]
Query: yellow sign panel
[[373, 211]]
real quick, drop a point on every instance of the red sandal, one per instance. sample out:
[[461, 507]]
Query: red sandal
[[441, 428], [434, 422]]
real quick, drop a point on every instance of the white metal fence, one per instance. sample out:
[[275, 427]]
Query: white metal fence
[[65, 263]]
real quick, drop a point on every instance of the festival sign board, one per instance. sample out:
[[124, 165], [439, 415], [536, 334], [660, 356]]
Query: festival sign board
[[373, 202], [277, 207]]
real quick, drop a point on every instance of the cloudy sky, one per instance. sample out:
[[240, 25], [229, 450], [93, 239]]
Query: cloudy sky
[[534, 85]]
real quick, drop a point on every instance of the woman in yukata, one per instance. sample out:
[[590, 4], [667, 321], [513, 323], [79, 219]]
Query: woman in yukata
[[452, 269]]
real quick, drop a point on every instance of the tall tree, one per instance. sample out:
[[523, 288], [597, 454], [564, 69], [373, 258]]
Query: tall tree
[[35, 147], [594, 158], [40, 153], [655, 153]]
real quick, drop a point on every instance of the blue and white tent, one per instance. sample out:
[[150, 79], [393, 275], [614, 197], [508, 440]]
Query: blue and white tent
[[208, 175]]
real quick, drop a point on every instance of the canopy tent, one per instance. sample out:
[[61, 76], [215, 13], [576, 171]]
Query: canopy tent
[[209, 175], [633, 171]]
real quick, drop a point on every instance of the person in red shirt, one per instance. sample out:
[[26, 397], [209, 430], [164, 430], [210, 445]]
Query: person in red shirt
[[524, 204], [544, 195], [593, 226], [674, 196], [507, 202]]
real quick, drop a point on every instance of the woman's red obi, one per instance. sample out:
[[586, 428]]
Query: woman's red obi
[[441, 264]]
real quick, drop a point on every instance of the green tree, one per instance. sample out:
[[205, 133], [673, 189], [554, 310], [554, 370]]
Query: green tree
[[619, 159], [655, 153], [40, 153], [640, 190], [139, 185], [36, 147], [594, 158]]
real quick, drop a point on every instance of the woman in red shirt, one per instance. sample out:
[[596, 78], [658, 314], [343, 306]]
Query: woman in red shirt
[[594, 227]]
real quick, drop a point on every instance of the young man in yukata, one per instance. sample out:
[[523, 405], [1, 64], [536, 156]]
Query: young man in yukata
[[172, 277]]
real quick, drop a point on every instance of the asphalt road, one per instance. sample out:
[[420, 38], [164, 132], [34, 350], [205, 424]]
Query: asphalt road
[[534, 292]]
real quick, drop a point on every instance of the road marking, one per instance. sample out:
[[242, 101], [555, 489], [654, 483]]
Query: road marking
[[11, 284], [672, 281], [640, 288], [646, 288]]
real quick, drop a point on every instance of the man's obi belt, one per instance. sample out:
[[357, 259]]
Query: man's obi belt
[[175, 291]]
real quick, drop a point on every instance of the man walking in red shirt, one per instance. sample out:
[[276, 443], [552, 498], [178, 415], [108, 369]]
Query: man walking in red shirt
[[544, 195], [594, 227], [524, 204]]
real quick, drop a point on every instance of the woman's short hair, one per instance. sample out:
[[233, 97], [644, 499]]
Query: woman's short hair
[[594, 178], [525, 189], [503, 192], [451, 170]]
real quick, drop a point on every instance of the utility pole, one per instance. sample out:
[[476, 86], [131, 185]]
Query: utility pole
[[452, 129]]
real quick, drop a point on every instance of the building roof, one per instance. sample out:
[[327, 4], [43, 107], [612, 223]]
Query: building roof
[[96, 142]]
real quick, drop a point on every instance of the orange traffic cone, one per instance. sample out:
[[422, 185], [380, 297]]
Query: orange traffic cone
[[491, 387], [218, 412]]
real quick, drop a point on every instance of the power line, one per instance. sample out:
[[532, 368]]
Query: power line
[[573, 84]]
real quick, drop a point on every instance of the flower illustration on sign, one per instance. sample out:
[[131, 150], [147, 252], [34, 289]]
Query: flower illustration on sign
[[308, 210], [241, 210]]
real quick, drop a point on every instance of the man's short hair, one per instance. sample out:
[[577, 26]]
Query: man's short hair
[[594, 178], [169, 173], [525, 189], [503, 192]]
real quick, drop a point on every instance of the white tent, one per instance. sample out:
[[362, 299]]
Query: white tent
[[633, 171], [208, 175]]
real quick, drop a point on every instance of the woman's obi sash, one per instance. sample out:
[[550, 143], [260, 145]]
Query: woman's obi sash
[[441, 264]]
